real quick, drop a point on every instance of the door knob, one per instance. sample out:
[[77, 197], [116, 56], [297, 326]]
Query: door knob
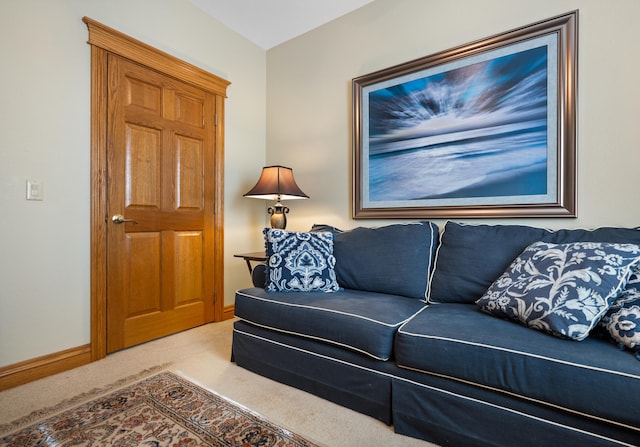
[[119, 218]]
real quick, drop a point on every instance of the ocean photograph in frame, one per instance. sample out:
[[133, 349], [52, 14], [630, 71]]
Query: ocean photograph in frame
[[487, 129]]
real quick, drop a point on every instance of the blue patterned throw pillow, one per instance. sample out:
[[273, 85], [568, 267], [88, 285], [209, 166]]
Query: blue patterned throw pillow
[[622, 320], [562, 289], [299, 262]]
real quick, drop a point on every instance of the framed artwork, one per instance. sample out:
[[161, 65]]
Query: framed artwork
[[487, 129]]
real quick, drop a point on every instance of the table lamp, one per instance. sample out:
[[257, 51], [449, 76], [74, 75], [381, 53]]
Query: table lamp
[[277, 183]]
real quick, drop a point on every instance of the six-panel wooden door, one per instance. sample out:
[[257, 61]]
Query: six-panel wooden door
[[161, 180]]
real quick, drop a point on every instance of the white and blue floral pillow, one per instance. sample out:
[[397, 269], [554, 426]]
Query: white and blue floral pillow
[[299, 262], [562, 289], [622, 320]]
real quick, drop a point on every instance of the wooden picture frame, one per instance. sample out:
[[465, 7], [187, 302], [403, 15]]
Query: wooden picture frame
[[483, 130]]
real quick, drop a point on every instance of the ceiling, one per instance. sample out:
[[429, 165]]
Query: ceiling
[[268, 23]]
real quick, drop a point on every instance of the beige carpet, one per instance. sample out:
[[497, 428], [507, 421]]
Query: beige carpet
[[202, 355]]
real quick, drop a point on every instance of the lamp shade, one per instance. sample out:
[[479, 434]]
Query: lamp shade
[[276, 183]]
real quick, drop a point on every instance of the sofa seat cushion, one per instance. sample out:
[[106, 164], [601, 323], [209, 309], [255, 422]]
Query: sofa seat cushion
[[460, 342], [362, 321]]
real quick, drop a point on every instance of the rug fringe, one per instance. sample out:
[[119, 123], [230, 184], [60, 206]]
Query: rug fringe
[[16, 424]]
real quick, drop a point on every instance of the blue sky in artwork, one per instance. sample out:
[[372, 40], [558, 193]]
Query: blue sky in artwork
[[474, 131]]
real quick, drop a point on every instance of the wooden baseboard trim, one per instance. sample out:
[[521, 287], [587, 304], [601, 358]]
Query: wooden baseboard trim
[[228, 312], [47, 365]]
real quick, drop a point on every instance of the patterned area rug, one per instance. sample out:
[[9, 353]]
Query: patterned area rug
[[162, 410]]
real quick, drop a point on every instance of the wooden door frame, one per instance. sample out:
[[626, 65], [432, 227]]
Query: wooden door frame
[[104, 41]]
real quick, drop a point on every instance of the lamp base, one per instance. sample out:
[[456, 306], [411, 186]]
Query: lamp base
[[278, 215]]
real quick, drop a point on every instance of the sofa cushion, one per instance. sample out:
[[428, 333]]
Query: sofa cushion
[[470, 257], [618, 235], [393, 259], [625, 325], [299, 262], [362, 321], [588, 377], [622, 320], [562, 289]]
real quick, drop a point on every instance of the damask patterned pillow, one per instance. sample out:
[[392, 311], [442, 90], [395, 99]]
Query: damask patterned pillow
[[299, 262], [622, 320], [562, 289]]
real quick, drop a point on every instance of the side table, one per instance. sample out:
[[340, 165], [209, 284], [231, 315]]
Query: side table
[[258, 256]]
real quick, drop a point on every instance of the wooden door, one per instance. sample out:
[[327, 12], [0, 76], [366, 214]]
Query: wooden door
[[161, 180]]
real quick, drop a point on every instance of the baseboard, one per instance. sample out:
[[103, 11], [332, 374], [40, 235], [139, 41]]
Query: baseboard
[[47, 365], [228, 312]]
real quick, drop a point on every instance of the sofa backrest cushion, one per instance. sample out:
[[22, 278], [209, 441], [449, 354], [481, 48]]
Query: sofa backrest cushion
[[470, 257], [617, 235], [395, 259]]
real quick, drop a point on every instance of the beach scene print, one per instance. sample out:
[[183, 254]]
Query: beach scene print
[[476, 131]]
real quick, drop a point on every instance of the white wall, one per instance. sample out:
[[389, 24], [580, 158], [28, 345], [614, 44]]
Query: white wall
[[299, 91], [309, 96], [45, 135]]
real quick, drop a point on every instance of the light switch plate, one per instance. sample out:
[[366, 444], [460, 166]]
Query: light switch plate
[[34, 190]]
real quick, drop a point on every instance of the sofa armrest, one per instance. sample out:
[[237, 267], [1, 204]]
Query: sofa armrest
[[258, 275]]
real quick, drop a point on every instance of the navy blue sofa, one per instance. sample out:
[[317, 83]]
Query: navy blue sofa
[[404, 342]]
